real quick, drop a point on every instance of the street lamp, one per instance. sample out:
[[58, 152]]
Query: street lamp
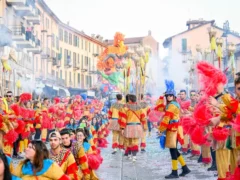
[[219, 51], [226, 30], [212, 35]]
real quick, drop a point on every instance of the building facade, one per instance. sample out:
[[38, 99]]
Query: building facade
[[193, 45], [51, 56]]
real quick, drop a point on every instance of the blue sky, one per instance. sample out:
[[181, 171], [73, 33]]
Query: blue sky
[[135, 17]]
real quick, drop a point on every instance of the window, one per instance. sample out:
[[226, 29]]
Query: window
[[74, 60], [82, 61], [66, 76], [89, 48], [78, 78], [53, 40], [86, 61], [60, 34], [53, 73], [82, 82], [86, 79], [75, 41], [65, 56], [60, 74], [56, 74], [86, 45], [70, 77], [78, 61], [36, 64], [82, 44], [90, 81], [65, 36], [184, 45], [57, 43], [70, 38], [89, 62]]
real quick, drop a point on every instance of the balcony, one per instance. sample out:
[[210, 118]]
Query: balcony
[[23, 39], [35, 19], [37, 48], [26, 10], [76, 66], [45, 53], [16, 2], [5, 33]]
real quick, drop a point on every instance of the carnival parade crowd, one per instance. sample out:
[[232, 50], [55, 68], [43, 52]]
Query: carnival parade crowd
[[205, 126]]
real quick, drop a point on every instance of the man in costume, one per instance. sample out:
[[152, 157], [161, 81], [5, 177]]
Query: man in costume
[[45, 119], [184, 104], [195, 149], [77, 151], [146, 110], [63, 157], [133, 123], [113, 116], [169, 126]]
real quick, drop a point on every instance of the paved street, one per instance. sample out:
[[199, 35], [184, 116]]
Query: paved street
[[152, 165]]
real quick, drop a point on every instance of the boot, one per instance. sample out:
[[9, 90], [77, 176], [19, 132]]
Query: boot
[[200, 159], [173, 175], [185, 171], [213, 167]]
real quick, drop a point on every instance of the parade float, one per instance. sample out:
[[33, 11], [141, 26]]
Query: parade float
[[122, 68]]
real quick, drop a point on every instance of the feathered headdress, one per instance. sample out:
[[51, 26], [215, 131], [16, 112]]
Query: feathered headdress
[[84, 96], [210, 77], [170, 87], [25, 97], [57, 100]]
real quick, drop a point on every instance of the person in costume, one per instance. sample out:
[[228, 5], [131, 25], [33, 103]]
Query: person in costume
[[146, 110], [37, 164], [37, 120], [63, 157], [170, 127], [113, 116], [6, 167], [230, 110], [213, 81], [45, 119], [195, 149], [132, 123], [184, 104], [71, 125], [78, 152], [94, 159]]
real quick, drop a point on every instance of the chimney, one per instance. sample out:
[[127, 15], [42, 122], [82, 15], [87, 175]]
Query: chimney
[[149, 33]]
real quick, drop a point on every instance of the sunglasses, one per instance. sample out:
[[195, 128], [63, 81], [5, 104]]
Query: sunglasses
[[192, 94], [8, 95], [238, 88], [169, 95]]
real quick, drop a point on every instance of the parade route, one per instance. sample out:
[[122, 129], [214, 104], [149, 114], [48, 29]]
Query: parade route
[[154, 164]]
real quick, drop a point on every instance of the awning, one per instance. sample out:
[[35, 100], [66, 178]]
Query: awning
[[40, 85], [64, 92], [56, 88]]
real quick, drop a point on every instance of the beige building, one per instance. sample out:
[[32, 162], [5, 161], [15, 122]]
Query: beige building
[[67, 61], [183, 46], [17, 20]]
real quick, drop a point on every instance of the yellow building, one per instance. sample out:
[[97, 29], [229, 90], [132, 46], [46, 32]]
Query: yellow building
[[17, 21], [67, 60]]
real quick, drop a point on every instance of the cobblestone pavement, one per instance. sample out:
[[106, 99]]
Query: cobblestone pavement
[[154, 164]]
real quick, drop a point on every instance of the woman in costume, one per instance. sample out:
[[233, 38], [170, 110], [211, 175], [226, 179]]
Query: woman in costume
[[37, 164], [6, 167], [94, 159], [169, 126]]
